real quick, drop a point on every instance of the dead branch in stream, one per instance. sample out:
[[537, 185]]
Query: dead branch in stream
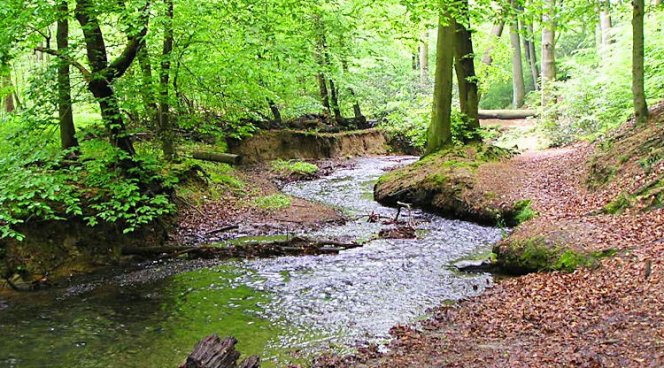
[[292, 247]]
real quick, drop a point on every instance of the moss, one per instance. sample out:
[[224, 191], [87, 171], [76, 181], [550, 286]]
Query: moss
[[293, 167], [273, 202], [618, 205], [524, 211], [535, 255]]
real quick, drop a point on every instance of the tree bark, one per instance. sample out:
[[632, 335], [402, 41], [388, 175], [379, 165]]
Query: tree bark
[[65, 112], [605, 24], [227, 158], [466, 78], [638, 80], [104, 73], [496, 32], [335, 103], [214, 352], [8, 100], [324, 94], [534, 70], [548, 53], [275, 111], [518, 85], [440, 132], [165, 121], [424, 58]]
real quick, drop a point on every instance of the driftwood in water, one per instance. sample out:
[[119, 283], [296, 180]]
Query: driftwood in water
[[214, 352], [291, 247], [506, 114], [227, 158]]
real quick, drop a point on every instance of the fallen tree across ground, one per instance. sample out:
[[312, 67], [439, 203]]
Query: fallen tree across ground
[[292, 247], [507, 114]]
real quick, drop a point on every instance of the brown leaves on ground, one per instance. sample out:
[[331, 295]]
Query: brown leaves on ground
[[611, 316]]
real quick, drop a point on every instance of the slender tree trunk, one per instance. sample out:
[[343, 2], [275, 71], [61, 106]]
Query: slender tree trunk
[[548, 53], [424, 58], [324, 94], [533, 56], [8, 100], [65, 112], [440, 133], [605, 24], [147, 91], [638, 80], [466, 78], [496, 32], [165, 121], [518, 85], [334, 94], [357, 111]]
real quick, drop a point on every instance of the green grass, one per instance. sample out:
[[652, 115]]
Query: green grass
[[287, 168], [273, 202]]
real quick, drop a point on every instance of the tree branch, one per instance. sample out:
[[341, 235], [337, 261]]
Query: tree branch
[[86, 73], [119, 66]]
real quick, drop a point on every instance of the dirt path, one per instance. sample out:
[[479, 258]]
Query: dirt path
[[612, 316]]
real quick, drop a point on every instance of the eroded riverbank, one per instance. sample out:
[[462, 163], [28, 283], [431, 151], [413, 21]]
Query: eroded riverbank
[[284, 309]]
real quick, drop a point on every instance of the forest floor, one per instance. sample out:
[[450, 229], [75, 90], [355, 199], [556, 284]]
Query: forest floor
[[198, 223], [611, 315]]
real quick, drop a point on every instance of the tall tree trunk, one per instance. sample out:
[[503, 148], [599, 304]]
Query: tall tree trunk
[[638, 80], [104, 73], [357, 111], [8, 100], [65, 112], [496, 32], [518, 85], [165, 121], [440, 132], [548, 53], [147, 91], [605, 24], [424, 58], [466, 78], [324, 94], [336, 109], [534, 70]]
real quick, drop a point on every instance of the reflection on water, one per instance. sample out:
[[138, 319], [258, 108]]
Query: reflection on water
[[282, 308]]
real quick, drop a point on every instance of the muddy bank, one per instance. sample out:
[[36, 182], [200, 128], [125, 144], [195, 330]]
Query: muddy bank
[[292, 144], [56, 249]]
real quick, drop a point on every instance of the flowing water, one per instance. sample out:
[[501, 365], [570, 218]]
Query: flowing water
[[284, 309]]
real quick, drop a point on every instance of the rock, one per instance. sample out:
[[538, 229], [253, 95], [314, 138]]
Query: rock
[[475, 265]]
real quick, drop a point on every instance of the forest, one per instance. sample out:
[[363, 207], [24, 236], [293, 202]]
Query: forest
[[332, 183]]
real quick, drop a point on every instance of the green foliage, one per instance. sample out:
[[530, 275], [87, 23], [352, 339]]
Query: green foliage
[[293, 167], [273, 202], [524, 211]]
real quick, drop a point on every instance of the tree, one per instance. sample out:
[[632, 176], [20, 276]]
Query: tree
[[8, 100], [531, 54], [465, 71], [440, 129], [518, 85], [548, 52], [165, 121], [496, 32], [605, 23], [424, 58], [103, 73], [638, 80], [65, 108]]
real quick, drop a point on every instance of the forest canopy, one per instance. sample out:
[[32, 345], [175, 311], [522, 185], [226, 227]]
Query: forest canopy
[[102, 100]]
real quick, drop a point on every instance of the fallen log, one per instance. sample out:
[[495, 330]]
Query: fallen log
[[506, 114], [214, 352], [227, 158], [223, 229], [292, 247]]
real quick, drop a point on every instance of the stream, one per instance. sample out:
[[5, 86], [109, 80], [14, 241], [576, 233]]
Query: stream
[[284, 309]]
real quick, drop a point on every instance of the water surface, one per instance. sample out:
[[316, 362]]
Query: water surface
[[284, 309]]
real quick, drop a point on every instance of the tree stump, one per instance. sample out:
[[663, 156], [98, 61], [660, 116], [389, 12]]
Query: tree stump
[[214, 352]]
